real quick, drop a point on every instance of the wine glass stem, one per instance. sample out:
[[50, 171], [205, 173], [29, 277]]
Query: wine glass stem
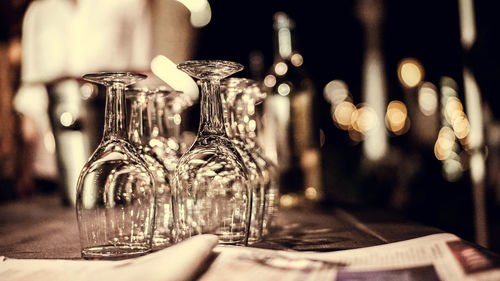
[[211, 118], [136, 129], [115, 112]]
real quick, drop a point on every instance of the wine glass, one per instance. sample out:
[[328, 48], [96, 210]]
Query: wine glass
[[115, 201], [232, 90], [211, 189], [249, 122], [170, 140], [146, 134]]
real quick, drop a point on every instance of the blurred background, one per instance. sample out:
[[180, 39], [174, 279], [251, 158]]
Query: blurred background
[[406, 108]]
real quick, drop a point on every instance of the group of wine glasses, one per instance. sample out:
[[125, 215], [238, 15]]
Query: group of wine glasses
[[144, 188]]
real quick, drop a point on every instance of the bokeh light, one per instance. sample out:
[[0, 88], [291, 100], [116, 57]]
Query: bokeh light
[[444, 144], [453, 108], [311, 193], [396, 116], [88, 90], [66, 119], [452, 169], [270, 81], [289, 200], [335, 92], [461, 126], [297, 59], [284, 89], [344, 115], [410, 72], [281, 68], [428, 99], [365, 119]]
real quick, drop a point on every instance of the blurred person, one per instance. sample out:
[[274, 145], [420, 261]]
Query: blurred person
[[61, 41]]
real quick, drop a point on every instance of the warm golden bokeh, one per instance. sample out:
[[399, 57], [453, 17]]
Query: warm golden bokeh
[[395, 118], [365, 119], [444, 143], [345, 114], [410, 72]]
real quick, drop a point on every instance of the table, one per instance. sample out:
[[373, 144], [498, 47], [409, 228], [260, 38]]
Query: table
[[41, 227]]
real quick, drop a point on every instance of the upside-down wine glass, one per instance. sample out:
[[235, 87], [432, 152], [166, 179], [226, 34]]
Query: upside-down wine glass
[[232, 92], [211, 189], [249, 122], [115, 202], [170, 140], [146, 135]]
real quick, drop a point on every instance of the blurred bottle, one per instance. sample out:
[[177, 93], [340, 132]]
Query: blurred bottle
[[291, 132]]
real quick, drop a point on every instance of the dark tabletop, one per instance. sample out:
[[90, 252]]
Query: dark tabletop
[[41, 227]]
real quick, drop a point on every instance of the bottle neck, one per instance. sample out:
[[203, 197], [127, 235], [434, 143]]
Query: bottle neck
[[211, 111], [283, 34], [115, 113]]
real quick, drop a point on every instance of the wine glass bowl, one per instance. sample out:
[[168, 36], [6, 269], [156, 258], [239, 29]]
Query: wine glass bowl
[[212, 186]]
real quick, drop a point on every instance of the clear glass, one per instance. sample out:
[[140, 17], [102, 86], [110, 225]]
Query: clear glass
[[170, 142], [233, 98], [211, 189], [249, 122], [244, 123], [145, 133], [115, 201]]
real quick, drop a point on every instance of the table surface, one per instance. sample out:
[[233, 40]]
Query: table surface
[[41, 227]]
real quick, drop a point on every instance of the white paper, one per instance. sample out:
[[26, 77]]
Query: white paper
[[179, 262], [434, 257]]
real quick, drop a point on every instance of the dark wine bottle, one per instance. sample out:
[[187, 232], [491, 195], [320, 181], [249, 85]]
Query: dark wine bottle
[[291, 133]]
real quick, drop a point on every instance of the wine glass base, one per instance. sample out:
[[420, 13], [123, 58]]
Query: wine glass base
[[254, 240], [210, 69], [108, 78], [160, 242], [114, 251]]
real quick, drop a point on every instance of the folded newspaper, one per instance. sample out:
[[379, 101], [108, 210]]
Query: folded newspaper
[[435, 257]]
